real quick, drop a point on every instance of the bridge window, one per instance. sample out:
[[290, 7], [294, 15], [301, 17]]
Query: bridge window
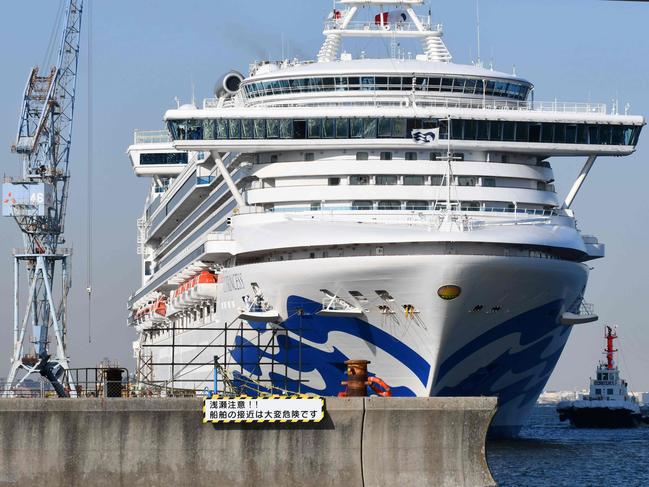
[[356, 128], [367, 83], [342, 128], [464, 85], [234, 129], [386, 156], [247, 128], [385, 128], [411, 156], [260, 128], [286, 129], [221, 129], [272, 128], [315, 128], [369, 128], [164, 158], [535, 132], [299, 129], [362, 156], [401, 128], [328, 128]]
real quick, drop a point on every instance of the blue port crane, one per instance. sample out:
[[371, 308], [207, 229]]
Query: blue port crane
[[37, 202]]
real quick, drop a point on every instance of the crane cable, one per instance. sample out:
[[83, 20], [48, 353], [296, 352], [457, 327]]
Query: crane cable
[[89, 194], [52, 43]]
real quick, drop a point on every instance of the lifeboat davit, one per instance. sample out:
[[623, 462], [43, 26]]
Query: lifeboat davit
[[151, 313]]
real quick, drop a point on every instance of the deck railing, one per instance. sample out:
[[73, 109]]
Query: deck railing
[[427, 101]]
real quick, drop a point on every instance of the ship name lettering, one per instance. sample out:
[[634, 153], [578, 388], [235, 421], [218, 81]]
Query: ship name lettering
[[234, 282]]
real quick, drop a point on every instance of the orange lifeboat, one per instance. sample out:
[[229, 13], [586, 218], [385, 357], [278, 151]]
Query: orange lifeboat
[[200, 288], [204, 287]]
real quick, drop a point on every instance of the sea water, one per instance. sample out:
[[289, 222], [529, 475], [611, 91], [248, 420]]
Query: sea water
[[552, 453]]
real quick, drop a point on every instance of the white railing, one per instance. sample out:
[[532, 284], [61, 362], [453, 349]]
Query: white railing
[[569, 107], [423, 100], [586, 309], [220, 236], [151, 137], [371, 25]]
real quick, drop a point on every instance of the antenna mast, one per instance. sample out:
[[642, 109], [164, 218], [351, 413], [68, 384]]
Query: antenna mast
[[477, 11], [37, 202]]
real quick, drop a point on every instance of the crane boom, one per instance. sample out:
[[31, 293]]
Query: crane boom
[[37, 202]]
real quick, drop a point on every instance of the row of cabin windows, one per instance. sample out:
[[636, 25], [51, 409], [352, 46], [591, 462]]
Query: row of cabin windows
[[163, 158], [438, 84], [368, 205], [419, 180], [402, 128], [411, 156]]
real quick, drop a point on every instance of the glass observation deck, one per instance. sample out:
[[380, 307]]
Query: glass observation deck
[[401, 128]]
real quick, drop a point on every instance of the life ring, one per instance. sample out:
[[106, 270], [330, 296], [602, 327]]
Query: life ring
[[382, 390]]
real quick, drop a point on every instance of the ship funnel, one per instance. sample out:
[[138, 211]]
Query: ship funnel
[[228, 85]]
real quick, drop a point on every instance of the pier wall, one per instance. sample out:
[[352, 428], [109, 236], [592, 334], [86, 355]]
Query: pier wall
[[362, 442]]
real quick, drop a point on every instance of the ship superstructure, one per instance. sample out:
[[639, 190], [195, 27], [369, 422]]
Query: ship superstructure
[[398, 210]]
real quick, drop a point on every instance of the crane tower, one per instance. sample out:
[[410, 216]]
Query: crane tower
[[37, 202]]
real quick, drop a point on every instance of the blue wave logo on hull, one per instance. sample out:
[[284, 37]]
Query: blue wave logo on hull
[[292, 353], [537, 331]]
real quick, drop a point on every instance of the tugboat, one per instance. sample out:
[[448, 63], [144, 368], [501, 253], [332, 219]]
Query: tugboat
[[608, 405]]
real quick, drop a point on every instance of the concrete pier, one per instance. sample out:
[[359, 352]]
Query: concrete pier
[[362, 442]]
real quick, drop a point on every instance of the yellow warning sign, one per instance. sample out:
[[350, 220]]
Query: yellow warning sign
[[272, 409]]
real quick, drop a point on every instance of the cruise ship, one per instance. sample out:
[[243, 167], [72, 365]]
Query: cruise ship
[[399, 210]]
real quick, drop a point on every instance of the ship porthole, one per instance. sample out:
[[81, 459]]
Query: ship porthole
[[449, 292]]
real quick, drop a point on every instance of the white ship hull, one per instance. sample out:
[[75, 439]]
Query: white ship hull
[[508, 347]]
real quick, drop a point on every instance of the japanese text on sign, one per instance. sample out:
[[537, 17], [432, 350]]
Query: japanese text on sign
[[278, 409]]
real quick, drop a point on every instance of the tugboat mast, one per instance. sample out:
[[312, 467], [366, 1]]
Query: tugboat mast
[[610, 336]]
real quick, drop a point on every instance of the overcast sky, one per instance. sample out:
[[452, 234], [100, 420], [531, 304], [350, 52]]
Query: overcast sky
[[146, 52]]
